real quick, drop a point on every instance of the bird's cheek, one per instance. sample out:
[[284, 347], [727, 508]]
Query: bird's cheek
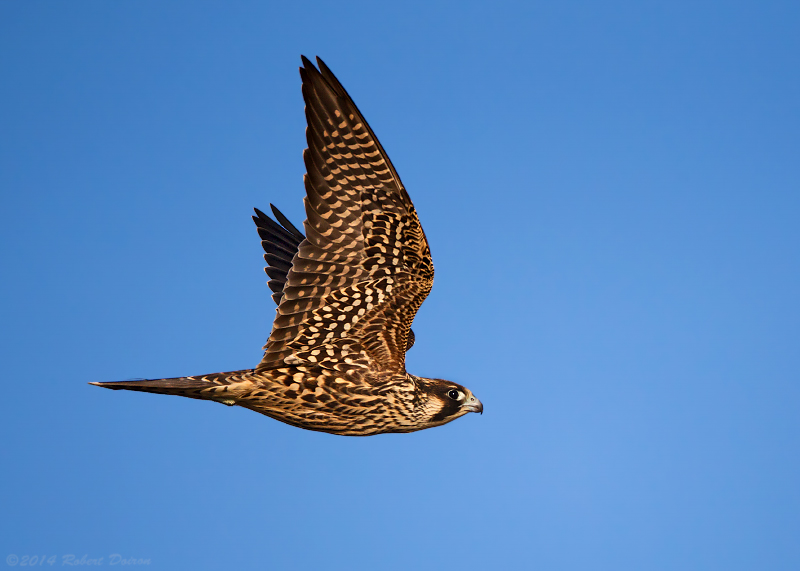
[[444, 411]]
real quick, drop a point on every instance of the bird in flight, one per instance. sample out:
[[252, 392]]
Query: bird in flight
[[347, 292]]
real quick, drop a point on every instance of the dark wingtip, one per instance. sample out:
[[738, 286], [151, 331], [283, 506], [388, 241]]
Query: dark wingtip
[[307, 65], [279, 216]]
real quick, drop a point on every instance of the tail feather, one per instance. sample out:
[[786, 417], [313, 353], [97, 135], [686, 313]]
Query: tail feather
[[191, 387]]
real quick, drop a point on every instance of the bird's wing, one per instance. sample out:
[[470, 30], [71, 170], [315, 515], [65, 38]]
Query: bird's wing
[[364, 268], [280, 241]]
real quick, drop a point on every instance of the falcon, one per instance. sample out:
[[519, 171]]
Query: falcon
[[347, 292]]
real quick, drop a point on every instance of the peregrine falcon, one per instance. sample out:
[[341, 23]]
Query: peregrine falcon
[[347, 292]]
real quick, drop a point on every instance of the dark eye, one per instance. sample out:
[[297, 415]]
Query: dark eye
[[453, 394]]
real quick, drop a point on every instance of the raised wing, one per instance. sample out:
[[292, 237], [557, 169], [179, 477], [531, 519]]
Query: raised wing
[[359, 277]]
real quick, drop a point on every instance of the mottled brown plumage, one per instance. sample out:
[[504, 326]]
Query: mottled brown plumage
[[347, 293]]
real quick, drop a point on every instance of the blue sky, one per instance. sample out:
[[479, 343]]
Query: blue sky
[[611, 192]]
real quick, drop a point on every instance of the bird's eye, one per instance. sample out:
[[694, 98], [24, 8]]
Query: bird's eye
[[453, 394]]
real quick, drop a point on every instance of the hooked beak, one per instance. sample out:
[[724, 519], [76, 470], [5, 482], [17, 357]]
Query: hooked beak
[[473, 405]]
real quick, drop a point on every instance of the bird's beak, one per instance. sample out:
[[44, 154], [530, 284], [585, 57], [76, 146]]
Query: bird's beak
[[473, 405]]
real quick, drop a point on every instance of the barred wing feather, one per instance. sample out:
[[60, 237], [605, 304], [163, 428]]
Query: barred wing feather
[[364, 267]]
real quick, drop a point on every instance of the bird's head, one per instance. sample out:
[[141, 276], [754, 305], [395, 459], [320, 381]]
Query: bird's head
[[444, 401]]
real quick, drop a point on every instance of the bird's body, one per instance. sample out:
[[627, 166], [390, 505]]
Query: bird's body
[[319, 399], [347, 293]]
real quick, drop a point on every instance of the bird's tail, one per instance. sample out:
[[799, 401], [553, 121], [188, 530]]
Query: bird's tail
[[206, 387]]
